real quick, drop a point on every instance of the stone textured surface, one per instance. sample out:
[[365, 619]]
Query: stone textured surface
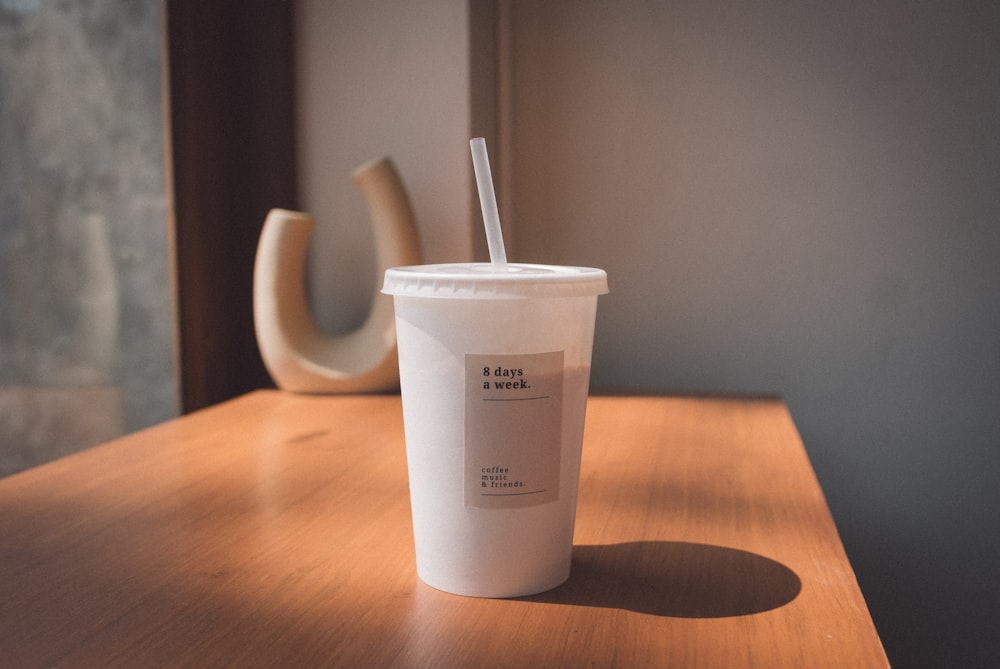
[[85, 310]]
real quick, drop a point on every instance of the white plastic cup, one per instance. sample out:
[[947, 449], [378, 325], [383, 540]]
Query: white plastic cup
[[494, 371]]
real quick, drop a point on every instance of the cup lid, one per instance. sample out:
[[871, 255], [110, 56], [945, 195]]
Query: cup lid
[[479, 281]]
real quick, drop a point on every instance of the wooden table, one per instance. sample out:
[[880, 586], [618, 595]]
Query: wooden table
[[274, 530]]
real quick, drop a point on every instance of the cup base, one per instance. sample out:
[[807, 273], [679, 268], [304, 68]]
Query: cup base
[[492, 590]]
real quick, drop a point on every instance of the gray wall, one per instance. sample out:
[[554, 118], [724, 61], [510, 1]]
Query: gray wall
[[797, 197], [380, 78]]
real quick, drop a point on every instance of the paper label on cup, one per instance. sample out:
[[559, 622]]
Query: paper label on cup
[[513, 429]]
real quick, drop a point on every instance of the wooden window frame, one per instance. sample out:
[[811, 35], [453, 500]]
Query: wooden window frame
[[229, 106]]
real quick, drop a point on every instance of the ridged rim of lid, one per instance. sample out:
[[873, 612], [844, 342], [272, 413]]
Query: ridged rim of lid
[[479, 281]]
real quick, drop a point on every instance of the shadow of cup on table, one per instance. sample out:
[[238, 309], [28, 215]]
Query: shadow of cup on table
[[675, 579]]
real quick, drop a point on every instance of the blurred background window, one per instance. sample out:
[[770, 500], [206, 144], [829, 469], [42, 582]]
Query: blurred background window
[[86, 321]]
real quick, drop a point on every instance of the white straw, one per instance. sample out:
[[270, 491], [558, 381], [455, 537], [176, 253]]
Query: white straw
[[488, 202]]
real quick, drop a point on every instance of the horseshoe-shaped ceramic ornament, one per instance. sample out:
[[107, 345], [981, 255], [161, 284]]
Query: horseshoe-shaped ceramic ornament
[[298, 354]]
